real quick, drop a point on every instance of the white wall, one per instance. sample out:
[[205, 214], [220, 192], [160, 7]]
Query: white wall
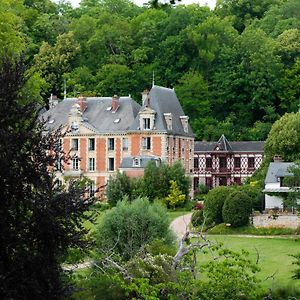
[[273, 201]]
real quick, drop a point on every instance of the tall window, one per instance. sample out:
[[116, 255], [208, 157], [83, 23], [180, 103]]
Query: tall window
[[74, 144], [146, 123], [237, 162], [75, 164], [223, 162], [196, 163], [111, 164], [251, 162], [146, 143], [125, 144], [91, 189], [91, 144], [111, 144], [208, 163], [92, 164]]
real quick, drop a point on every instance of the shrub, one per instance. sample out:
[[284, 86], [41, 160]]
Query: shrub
[[213, 204], [129, 226], [237, 209]]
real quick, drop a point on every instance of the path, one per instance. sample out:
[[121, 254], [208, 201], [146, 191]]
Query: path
[[180, 224]]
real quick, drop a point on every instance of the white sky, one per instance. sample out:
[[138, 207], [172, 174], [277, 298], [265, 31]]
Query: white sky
[[210, 3]]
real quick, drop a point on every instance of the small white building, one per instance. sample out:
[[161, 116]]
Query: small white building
[[274, 184]]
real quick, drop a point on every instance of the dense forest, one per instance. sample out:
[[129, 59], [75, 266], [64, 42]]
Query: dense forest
[[235, 69]]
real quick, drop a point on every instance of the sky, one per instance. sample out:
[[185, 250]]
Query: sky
[[210, 3]]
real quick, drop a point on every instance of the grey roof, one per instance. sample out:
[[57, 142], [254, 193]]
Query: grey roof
[[96, 116], [226, 146], [127, 162], [277, 169], [164, 100]]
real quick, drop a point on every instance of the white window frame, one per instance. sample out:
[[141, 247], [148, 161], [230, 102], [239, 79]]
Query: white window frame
[[91, 143], [146, 143], [75, 164], [91, 164]]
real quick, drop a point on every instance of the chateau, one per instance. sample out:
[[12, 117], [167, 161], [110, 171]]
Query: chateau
[[108, 134]]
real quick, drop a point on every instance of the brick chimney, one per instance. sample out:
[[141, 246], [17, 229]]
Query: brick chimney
[[82, 103], [115, 103]]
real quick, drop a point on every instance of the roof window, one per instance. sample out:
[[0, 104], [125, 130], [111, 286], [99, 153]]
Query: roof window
[[116, 121], [108, 108]]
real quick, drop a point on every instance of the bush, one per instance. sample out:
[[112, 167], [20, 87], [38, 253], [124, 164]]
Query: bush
[[129, 226], [213, 204], [256, 195], [237, 209]]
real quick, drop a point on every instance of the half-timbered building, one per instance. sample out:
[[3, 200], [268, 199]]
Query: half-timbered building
[[225, 163]]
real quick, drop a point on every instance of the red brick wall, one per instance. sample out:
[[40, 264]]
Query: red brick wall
[[66, 147], [135, 144], [83, 153], [101, 154], [156, 145]]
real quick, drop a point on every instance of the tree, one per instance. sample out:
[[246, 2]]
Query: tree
[[237, 208], [284, 138], [129, 226], [117, 188], [175, 197], [213, 204], [39, 220]]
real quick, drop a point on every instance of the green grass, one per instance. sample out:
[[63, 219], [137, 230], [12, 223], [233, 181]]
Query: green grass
[[273, 256]]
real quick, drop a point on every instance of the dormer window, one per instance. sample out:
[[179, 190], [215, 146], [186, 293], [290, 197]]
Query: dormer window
[[146, 123], [136, 162]]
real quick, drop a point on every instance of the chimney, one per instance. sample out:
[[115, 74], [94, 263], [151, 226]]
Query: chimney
[[82, 103], [277, 158], [53, 101], [115, 103], [168, 119], [146, 98]]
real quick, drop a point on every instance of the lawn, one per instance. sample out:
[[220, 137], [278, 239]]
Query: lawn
[[273, 256]]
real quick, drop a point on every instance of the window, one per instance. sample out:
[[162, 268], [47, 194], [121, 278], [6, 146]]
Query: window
[[196, 183], [111, 164], [237, 180], [136, 162], [223, 162], [196, 163], [251, 162], [208, 182], [58, 164], [91, 144], [125, 144], [222, 181], [74, 144], [146, 123], [111, 144], [146, 143], [91, 189], [208, 163], [75, 164], [237, 162], [92, 164]]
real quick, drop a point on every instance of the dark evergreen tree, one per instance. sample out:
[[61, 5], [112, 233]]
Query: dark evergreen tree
[[39, 220]]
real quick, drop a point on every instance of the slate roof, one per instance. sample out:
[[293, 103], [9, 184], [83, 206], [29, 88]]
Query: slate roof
[[164, 100], [226, 146], [127, 162], [277, 169], [96, 116]]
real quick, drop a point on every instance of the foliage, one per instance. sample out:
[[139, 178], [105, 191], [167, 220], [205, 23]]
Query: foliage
[[39, 220], [223, 229], [237, 208], [297, 263], [230, 278], [283, 138], [197, 218], [213, 204], [175, 197], [117, 188], [129, 226]]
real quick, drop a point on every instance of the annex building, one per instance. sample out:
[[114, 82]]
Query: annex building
[[107, 134], [225, 163]]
